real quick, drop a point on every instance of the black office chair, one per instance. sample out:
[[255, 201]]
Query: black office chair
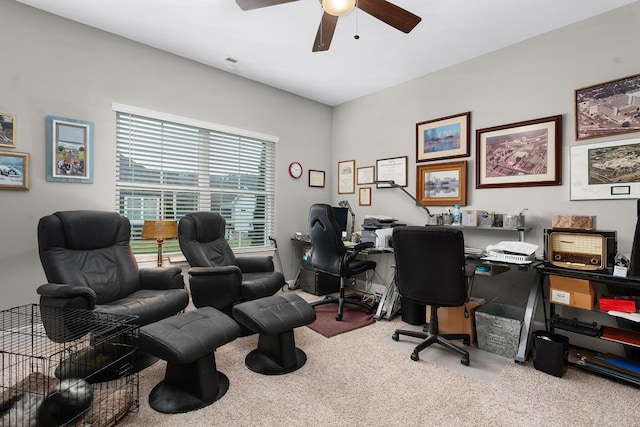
[[431, 270], [330, 256]]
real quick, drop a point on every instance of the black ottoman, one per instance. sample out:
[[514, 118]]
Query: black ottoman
[[274, 318], [187, 342]]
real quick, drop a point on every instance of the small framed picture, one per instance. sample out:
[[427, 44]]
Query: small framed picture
[[364, 198], [442, 184], [7, 130], [443, 138], [366, 175], [69, 150], [14, 171], [316, 178], [346, 177]]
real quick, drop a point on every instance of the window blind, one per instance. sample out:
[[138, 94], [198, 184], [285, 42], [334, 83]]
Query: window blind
[[166, 169]]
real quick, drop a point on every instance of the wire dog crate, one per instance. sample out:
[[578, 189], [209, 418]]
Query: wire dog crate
[[45, 349]]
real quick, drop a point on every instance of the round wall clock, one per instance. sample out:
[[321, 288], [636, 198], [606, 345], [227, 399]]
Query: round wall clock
[[295, 170]]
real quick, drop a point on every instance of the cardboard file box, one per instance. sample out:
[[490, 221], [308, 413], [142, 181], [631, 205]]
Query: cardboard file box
[[578, 293], [451, 320]]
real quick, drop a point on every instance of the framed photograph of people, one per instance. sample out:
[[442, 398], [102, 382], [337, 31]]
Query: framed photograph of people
[[523, 154], [609, 108], [7, 130], [69, 150], [346, 177], [444, 138], [442, 184], [609, 170], [14, 170]]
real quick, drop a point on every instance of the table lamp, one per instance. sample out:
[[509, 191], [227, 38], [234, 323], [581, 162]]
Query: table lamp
[[160, 229]]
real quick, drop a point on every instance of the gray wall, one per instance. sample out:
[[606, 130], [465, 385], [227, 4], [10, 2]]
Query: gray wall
[[52, 66], [529, 80]]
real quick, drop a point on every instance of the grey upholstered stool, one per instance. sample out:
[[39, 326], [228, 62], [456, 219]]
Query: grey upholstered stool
[[274, 318], [187, 342]]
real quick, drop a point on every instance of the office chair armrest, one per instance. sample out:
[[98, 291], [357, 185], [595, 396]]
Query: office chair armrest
[[67, 296], [161, 278], [255, 264], [470, 274], [362, 246], [217, 287]]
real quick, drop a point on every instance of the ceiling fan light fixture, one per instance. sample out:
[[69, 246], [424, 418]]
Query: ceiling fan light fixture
[[338, 7]]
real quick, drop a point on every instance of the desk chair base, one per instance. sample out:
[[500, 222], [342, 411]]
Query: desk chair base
[[342, 300]]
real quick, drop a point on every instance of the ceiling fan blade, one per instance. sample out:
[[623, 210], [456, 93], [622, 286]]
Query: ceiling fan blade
[[325, 33], [257, 4], [391, 14]]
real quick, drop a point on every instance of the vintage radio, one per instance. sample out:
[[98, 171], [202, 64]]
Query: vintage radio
[[580, 249]]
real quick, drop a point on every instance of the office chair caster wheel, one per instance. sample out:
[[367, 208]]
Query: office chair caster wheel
[[465, 361], [395, 336], [414, 356], [339, 317]]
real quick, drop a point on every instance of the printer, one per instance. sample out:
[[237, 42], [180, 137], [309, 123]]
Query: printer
[[372, 223]]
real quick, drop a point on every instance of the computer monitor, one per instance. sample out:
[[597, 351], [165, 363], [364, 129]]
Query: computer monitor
[[342, 215]]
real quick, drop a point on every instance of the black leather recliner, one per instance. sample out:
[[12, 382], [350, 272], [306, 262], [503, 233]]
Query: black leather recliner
[[218, 278], [90, 265]]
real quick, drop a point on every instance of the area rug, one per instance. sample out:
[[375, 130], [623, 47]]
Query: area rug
[[352, 318]]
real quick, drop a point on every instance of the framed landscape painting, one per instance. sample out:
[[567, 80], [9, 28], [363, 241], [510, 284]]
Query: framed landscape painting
[[444, 138], [442, 184], [7, 130], [14, 170]]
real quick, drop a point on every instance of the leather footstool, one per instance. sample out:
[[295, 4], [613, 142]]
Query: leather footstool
[[274, 318], [187, 342]]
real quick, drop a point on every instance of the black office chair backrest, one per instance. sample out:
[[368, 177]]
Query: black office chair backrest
[[89, 248], [202, 240], [329, 253], [430, 265]]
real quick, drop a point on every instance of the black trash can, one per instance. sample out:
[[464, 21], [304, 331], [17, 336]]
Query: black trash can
[[412, 312], [550, 352]]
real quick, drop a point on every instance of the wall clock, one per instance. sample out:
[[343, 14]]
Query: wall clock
[[295, 170]]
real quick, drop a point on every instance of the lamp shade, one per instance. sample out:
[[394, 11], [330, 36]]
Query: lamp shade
[[160, 229], [338, 7]]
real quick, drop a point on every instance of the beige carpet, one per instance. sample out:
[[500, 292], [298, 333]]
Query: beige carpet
[[358, 379]]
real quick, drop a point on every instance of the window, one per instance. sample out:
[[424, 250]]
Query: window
[[168, 166]]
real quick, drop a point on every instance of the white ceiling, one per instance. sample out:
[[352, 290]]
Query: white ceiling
[[273, 45]]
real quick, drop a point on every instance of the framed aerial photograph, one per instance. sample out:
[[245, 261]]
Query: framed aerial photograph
[[14, 170], [609, 108], [609, 170], [444, 138], [7, 130], [316, 178], [393, 169], [523, 154], [442, 184], [366, 175], [69, 150], [346, 177], [364, 196]]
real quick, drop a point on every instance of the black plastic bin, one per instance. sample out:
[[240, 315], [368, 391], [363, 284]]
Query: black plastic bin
[[550, 352], [412, 312]]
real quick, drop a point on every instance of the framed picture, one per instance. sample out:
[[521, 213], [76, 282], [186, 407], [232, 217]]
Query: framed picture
[[14, 171], [444, 138], [609, 170], [346, 177], [366, 175], [607, 109], [393, 169], [524, 154], [442, 184], [364, 198], [69, 150], [316, 178], [7, 130]]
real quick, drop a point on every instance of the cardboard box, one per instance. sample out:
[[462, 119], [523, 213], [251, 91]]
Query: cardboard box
[[451, 320], [573, 292], [579, 222]]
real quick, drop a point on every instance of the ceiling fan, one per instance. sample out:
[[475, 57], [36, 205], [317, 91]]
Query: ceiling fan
[[388, 13]]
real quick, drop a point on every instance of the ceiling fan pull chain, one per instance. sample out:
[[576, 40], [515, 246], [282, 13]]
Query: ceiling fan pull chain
[[357, 36]]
